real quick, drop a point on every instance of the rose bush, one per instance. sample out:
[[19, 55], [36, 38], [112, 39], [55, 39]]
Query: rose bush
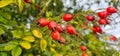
[[43, 28]]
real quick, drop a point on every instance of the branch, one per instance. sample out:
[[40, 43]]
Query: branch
[[44, 8]]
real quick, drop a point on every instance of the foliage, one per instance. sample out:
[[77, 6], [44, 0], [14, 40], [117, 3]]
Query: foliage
[[21, 36]]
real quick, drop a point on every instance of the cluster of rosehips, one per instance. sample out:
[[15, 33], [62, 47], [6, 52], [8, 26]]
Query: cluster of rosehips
[[57, 28], [83, 49], [103, 20], [104, 14]]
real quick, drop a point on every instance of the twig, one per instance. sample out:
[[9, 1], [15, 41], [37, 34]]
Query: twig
[[44, 8], [80, 36], [100, 9]]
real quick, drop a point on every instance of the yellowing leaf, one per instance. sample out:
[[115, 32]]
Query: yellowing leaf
[[25, 44], [29, 38], [43, 44], [16, 51], [4, 3], [33, 1], [57, 54], [53, 45], [20, 5], [114, 1], [75, 22], [52, 50], [37, 33], [30, 55], [89, 53]]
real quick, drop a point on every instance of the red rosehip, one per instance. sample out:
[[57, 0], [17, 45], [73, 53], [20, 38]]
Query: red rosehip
[[103, 21], [83, 54], [70, 29], [98, 29], [67, 17], [51, 25], [62, 40], [103, 14], [83, 48], [94, 30], [111, 9], [59, 28], [90, 18], [27, 1], [55, 35], [113, 38], [43, 22]]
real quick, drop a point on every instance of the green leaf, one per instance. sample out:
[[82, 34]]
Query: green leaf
[[47, 53], [16, 51], [4, 3], [17, 33], [49, 13], [20, 5], [3, 54], [1, 30], [13, 42], [3, 20], [6, 15], [1, 48], [9, 47], [43, 44]]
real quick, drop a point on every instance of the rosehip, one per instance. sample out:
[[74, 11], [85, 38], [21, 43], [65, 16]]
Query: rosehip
[[98, 29], [90, 18], [70, 29], [103, 14], [113, 38], [67, 17], [62, 40], [111, 9], [103, 21], [27, 1], [83, 48], [94, 30], [83, 54], [55, 35], [51, 25], [59, 28], [43, 22]]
